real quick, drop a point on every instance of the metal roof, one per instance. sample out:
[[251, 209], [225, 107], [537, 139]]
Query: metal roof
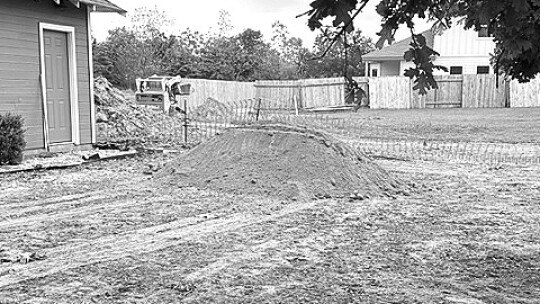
[[395, 51], [98, 6]]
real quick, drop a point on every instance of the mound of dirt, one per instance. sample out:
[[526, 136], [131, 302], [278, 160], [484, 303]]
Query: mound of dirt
[[212, 109], [282, 161]]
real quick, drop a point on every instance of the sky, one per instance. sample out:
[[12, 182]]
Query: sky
[[203, 15]]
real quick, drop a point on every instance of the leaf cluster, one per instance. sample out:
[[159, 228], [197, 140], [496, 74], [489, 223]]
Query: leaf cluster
[[420, 54], [340, 10]]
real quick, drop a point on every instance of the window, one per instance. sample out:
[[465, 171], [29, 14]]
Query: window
[[483, 69], [456, 70], [374, 72], [485, 32]]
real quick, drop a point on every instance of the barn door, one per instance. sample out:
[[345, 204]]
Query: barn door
[[57, 79]]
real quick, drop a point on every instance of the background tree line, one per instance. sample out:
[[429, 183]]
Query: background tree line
[[143, 49]]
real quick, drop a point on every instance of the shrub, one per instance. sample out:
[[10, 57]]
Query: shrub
[[12, 141]]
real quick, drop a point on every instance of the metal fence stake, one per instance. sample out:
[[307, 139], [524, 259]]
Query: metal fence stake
[[186, 124], [258, 109]]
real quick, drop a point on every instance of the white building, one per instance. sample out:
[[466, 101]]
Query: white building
[[461, 51]]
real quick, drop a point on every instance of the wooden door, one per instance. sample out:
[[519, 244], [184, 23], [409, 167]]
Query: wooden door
[[57, 78]]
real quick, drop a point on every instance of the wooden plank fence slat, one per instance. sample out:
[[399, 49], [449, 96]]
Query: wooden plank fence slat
[[448, 93], [323, 92], [308, 92], [223, 91], [524, 95], [277, 94], [390, 93], [481, 91]]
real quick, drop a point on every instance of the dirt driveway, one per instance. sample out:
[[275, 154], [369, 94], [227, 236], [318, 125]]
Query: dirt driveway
[[110, 234]]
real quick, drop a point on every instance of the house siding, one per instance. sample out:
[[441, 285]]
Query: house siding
[[469, 64], [20, 90], [463, 43], [458, 47]]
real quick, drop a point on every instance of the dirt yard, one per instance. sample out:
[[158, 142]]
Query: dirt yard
[[109, 232]]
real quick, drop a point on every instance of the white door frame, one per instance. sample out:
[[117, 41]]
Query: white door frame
[[73, 87], [91, 72]]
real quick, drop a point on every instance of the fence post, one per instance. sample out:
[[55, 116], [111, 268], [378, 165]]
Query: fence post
[[258, 112], [300, 94], [258, 90], [507, 94], [186, 124]]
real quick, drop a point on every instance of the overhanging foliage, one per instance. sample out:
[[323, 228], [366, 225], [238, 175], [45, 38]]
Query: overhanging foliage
[[514, 24]]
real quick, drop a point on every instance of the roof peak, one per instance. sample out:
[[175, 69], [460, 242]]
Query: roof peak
[[396, 50]]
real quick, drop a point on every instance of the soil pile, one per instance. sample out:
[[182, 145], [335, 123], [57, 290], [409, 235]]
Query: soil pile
[[120, 119], [212, 109], [282, 161]]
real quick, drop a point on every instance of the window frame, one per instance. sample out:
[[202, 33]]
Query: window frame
[[456, 67], [482, 67]]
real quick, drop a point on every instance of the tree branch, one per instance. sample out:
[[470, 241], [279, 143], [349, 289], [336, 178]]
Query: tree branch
[[343, 29]]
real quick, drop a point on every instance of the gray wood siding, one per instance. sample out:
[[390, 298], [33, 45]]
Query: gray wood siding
[[20, 90]]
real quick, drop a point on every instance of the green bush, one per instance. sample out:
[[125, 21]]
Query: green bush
[[12, 141]]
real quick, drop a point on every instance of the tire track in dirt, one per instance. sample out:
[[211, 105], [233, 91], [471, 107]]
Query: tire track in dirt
[[47, 201], [45, 208], [39, 203], [138, 242], [35, 220]]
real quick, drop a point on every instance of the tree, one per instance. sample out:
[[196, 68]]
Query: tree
[[295, 57], [224, 23], [124, 56], [149, 22], [280, 35], [514, 24], [341, 58], [289, 53], [140, 50], [251, 59], [117, 58], [242, 57], [187, 54]]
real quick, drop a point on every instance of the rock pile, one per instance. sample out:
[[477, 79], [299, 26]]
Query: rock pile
[[121, 120]]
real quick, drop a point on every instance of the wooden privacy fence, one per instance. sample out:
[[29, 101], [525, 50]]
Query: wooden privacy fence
[[307, 93], [467, 91], [224, 91], [524, 95], [279, 94], [389, 93]]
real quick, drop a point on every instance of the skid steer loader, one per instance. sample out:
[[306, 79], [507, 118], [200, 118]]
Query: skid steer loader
[[161, 93]]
